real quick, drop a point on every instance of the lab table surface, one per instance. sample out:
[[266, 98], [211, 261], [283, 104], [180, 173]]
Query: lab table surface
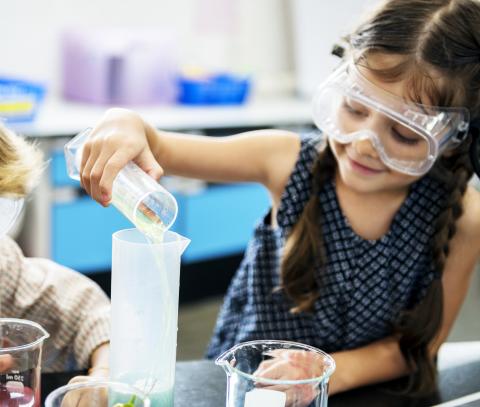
[[203, 384]]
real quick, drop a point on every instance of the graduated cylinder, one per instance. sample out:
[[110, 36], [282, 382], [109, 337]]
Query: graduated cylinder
[[145, 284]]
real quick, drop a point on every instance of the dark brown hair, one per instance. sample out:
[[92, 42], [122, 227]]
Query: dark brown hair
[[438, 35]]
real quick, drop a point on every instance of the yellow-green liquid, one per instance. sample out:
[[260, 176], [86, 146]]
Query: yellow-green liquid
[[157, 399], [144, 219]]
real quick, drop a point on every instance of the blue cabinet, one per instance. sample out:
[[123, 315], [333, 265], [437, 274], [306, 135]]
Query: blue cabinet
[[81, 235], [58, 171], [219, 221]]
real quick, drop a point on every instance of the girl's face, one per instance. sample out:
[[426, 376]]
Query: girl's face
[[361, 169], [359, 164]]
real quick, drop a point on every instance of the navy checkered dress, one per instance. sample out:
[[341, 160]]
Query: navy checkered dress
[[364, 285]]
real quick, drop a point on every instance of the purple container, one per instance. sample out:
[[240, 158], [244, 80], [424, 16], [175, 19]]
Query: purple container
[[119, 66]]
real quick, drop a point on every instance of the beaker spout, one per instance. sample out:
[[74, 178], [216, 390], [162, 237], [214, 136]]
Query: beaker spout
[[226, 361], [183, 243]]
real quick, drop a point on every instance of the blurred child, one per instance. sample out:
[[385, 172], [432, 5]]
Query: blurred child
[[71, 307]]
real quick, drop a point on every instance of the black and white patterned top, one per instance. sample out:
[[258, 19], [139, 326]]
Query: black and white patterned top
[[364, 285]]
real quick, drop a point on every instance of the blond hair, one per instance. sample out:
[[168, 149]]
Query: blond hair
[[21, 164]]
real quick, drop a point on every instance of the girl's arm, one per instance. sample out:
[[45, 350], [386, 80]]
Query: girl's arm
[[264, 156], [383, 358]]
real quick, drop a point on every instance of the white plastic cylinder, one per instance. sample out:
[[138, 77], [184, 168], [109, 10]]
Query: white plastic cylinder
[[144, 313], [149, 206]]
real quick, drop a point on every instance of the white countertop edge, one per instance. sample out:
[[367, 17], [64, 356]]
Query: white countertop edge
[[57, 118]]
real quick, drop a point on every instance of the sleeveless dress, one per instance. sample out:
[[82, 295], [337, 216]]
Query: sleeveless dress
[[365, 284]]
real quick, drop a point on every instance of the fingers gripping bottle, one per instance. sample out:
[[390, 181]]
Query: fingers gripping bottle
[[149, 206]]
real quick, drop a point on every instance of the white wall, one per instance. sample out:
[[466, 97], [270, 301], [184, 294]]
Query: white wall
[[317, 25], [245, 34]]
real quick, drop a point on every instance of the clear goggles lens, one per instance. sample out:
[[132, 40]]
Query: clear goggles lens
[[10, 208], [407, 136]]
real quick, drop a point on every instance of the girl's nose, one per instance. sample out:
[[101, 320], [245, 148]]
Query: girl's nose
[[365, 147]]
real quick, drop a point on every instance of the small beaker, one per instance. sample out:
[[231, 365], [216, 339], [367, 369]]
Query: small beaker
[[144, 312], [251, 368], [21, 344], [97, 393], [149, 206]]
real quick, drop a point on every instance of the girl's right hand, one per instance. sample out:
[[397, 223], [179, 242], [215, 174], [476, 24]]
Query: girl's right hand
[[118, 138], [292, 365]]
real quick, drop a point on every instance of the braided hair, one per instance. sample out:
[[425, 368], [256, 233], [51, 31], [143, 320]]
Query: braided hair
[[304, 250]]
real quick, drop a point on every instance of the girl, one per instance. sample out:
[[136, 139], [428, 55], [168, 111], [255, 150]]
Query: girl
[[69, 306], [373, 232]]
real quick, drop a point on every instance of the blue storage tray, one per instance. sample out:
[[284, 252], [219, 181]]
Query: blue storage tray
[[19, 99], [221, 89]]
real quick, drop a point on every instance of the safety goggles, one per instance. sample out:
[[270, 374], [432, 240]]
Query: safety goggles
[[407, 136], [10, 208]]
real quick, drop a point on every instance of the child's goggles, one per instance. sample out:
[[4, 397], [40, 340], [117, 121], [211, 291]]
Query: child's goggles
[[10, 208], [407, 136]]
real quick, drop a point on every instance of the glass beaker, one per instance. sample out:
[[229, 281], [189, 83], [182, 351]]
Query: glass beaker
[[149, 206], [97, 393], [144, 312], [21, 344], [250, 383]]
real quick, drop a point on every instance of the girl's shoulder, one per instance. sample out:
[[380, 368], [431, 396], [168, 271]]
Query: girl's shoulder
[[297, 157], [468, 225]]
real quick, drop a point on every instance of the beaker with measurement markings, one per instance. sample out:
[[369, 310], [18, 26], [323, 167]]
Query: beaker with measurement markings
[[259, 374], [21, 344]]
